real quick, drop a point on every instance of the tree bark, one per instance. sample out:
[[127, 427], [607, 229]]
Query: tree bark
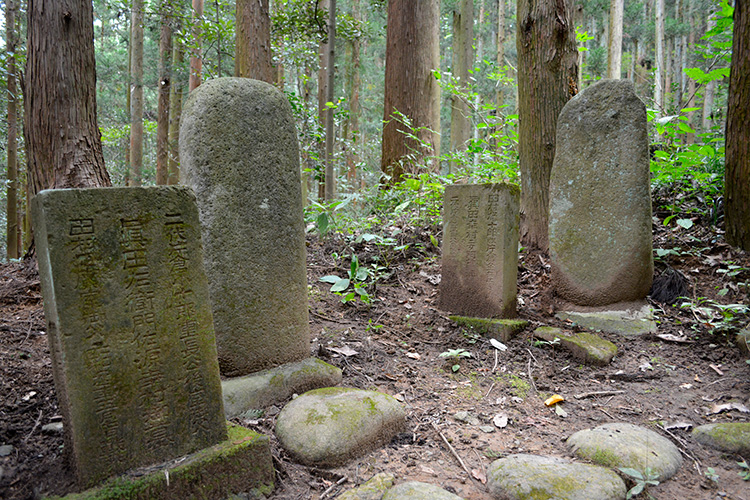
[[737, 171], [136, 94], [12, 153], [175, 112], [252, 58], [709, 91], [351, 131], [165, 81], [62, 137], [196, 54], [463, 60], [412, 53], [614, 46], [659, 64], [322, 95], [547, 73], [330, 180], [499, 98]]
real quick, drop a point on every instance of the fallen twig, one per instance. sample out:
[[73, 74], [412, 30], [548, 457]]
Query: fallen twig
[[36, 424], [592, 394], [453, 451], [683, 449], [330, 488]]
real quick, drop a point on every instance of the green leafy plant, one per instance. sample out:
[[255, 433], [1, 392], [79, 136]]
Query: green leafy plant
[[711, 475], [455, 355], [745, 472], [720, 318], [642, 480], [358, 275]]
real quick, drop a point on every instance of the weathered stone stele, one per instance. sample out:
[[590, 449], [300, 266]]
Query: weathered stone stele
[[239, 152], [600, 204], [129, 326], [480, 250]]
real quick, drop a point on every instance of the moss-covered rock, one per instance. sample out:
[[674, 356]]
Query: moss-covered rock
[[628, 322], [501, 329], [328, 427], [627, 445], [414, 490], [586, 347], [373, 489], [731, 437], [276, 385], [532, 477], [241, 464]]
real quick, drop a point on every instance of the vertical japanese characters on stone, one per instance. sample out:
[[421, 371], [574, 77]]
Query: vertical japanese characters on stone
[[480, 250], [129, 325], [600, 199], [239, 151]]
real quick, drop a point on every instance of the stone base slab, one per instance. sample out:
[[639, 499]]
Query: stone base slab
[[276, 385], [241, 464], [627, 322], [500, 329]]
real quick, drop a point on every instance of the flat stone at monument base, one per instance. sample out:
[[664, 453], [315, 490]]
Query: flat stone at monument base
[[240, 464], [273, 386], [626, 322], [500, 329], [586, 347]]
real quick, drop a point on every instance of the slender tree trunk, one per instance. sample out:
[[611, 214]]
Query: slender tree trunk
[[352, 124], [659, 73], [252, 57], [322, 95], [709, 91], [12, 232], [614, 46], [737, 172], [62, 137], [165, 81], [480, 56], [196, 54], [463, 59], [547, 72], [691, 90], [499, 98], [669, 43], [412, 53], [136, 94], [175, 112], [330, 179]]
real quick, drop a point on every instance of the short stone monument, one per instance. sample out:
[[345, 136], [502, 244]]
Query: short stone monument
[[239, 152], [129, 326], [480, 250], [600, 203]]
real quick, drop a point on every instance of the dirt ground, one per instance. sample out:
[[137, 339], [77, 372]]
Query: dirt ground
[[394, 346]]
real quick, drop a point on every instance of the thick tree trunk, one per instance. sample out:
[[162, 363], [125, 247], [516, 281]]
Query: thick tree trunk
[[547, 72], [330, 180], [252, 58], [412, 53], [737, 171], [463, 60], [12, 153], [196, 54], [62, 137], [614, 45], [351, 132], [175, 112], [136, 94], [165, 81]]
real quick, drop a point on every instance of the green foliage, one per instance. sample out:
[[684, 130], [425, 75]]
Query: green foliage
[[455, 355], [358, 277], [719, 318], [745, 470], [642, 479]]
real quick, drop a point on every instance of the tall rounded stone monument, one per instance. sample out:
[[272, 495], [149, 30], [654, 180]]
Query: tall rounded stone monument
[[239, 152], [600, 203]]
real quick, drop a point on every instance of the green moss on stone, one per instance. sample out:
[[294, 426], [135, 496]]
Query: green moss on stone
[[606, 458], [502, 329]]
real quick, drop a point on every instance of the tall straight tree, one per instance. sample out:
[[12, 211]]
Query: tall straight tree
[[12, 230], [323, 64], [547, 75], [500, 49], [659, 52], [737, 171], [164, 84], [463, 61], [63, 142], [196, 54], [614, 50], [330, 177], [412, 53], [252, 53], [136, 93], [354, 81], [175, 112]]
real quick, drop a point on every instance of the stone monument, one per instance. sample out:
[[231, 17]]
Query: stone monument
[[239, 152], [480, 250], [129, 326], [600, 199]]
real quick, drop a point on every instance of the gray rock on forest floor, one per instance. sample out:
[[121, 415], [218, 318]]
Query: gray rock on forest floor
[[626, 445], [328, 427], [414, 490], [522, 476], [586, 347], [730, 437]]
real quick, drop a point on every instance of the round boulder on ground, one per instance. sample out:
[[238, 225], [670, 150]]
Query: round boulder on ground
[[521, 477], [626, 445], [415, 490], [731, 437], [328, 427]]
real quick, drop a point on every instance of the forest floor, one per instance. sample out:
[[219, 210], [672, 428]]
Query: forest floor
[[394, 346]]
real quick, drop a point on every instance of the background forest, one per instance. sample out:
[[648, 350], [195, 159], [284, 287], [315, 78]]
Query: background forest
[[678, 59]]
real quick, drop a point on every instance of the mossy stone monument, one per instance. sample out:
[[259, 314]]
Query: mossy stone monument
[[480, 250], [129, 326], [600, 198], [239, 152]]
